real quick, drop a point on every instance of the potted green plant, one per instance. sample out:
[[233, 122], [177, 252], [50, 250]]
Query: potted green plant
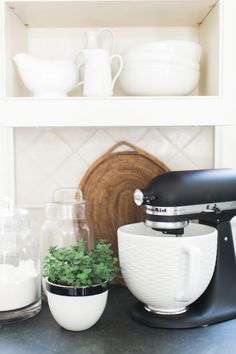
[[77, 283]]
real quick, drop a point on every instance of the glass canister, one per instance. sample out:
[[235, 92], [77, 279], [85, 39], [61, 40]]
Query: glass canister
[[20, 288], [66, 221]]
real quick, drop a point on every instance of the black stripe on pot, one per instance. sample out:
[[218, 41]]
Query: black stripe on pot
[[70, 291]]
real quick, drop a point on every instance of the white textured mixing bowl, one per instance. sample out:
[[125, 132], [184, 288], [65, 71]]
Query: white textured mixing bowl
[[158, 80], [165, 272]]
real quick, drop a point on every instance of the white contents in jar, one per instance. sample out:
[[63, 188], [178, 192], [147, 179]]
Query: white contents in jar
[[18, 285]]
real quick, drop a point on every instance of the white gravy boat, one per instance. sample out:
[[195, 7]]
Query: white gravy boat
[[47, 78]]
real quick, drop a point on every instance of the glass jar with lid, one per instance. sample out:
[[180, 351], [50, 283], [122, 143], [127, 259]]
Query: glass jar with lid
[[20, 294], [66, 221]]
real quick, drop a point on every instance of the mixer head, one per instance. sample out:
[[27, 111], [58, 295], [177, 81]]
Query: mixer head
[[174, 198]]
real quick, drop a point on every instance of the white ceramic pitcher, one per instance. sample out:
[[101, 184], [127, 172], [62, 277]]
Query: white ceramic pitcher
[[98, 79]]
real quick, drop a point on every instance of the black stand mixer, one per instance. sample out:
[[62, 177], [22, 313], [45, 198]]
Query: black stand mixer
[[171, 200]]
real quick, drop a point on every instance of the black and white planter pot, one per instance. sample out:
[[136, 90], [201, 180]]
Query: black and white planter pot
[[76, 309]]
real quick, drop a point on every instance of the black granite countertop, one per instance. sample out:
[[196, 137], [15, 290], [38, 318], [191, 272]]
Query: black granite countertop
[[115, 333]]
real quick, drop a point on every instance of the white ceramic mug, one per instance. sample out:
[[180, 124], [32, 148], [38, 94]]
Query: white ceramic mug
[[97, 72], [167, 273]]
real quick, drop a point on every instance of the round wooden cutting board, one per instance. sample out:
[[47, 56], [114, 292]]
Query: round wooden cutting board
[[109, 186]]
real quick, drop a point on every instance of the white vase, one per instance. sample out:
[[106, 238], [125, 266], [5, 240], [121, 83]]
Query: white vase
[[165, 272], [76, 309]]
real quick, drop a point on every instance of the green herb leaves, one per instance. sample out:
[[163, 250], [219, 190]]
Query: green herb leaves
[[76, 266]]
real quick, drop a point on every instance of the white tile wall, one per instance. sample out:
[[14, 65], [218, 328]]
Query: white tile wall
[[47, 159]]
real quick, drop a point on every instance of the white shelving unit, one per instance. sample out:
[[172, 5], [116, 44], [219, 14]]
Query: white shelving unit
[[55, 29]]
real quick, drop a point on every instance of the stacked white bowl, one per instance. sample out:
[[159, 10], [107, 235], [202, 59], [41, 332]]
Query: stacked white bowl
[[162, 68]]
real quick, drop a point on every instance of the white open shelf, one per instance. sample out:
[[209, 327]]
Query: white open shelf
[[116, 112], [56, 29]]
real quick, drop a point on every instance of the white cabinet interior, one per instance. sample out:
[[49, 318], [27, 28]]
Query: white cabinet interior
[[56, 29]]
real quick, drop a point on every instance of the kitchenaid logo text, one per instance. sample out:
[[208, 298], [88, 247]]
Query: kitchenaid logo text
[[160, 210]]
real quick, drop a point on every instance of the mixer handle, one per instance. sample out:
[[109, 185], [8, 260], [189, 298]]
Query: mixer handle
[[194, 255]]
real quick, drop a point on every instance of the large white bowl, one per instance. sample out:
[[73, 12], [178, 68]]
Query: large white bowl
[[186, 49], [156, 63], [147, 59], [167, 273], [158, 80]]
